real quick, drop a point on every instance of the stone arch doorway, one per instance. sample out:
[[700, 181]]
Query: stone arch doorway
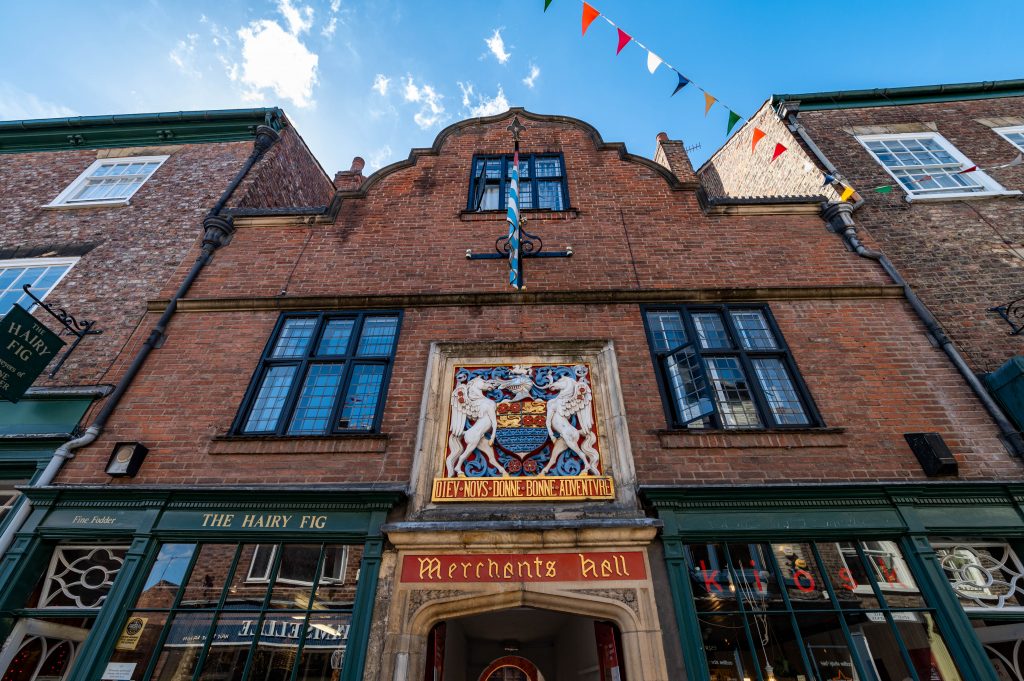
[[519, 644]]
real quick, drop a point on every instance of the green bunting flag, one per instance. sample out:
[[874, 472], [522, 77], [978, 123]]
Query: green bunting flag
[[887, 189], [546, 3], [734, 118]]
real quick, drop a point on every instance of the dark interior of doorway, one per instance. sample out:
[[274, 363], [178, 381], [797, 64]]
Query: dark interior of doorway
[[562, 646]]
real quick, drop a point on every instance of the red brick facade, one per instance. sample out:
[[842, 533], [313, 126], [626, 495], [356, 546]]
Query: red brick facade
[[962, 257], [638, 234]]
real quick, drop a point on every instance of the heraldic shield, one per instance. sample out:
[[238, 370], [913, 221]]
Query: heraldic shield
[[521, 425]]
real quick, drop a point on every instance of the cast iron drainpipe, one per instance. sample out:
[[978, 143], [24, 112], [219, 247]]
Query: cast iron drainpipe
[[839, 216], [216, 228]]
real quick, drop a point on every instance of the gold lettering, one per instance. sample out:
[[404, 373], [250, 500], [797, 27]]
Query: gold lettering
[[509, 570], [606, 568], [529, 571], [451, 570], [430, 567], [587, 566], [479, 564], [492, 569], [550, 566]]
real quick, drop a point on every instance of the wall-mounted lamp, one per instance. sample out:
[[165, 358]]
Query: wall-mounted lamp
[[126, 459]]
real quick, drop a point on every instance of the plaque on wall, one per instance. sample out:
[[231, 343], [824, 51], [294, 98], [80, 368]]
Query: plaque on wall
[[522, 433]]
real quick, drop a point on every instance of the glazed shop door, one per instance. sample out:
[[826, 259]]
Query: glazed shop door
[[38, 650]]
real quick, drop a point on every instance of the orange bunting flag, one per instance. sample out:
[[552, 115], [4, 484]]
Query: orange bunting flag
[[758, 134], [847, 193], [624, 39], [779, 151], [589, 14], [708, 103]]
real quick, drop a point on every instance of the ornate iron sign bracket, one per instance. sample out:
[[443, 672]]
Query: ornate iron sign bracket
[[78, 329], [1013, 314]]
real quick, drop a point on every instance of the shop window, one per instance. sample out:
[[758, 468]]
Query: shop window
[[1014, 135], [927, 165], [41, 274], [885, 561], [726, 367], [109, 181], [221, 610], [790, 611], [320, 374], [45, 639], [984, 575], [542, 182]]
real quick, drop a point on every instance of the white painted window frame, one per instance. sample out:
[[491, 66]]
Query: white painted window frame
[[252, 576], [991, 187], [40, 262], [61, 201], [1003, 132]]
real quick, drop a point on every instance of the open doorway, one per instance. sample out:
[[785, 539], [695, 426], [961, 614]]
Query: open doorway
[[524, 644]]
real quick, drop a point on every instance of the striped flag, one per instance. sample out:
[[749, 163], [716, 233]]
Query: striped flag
[[513, 224]]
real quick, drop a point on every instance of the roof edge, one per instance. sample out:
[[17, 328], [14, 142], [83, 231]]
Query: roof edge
[[919, 94], [147, 129]]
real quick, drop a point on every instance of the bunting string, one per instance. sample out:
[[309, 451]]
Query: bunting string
[[655, 61]]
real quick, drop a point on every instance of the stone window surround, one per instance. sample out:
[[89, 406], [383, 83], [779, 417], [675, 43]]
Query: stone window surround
[[431, 436]]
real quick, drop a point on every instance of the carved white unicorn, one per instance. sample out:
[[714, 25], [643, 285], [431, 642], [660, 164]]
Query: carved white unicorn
[[469, 402], [574, 398]]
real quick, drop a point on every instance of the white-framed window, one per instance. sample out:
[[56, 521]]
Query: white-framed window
[[298, 564], [926, 165], [42, 274], [1014, 135], [109, 181], [81, 576], [890, 571]]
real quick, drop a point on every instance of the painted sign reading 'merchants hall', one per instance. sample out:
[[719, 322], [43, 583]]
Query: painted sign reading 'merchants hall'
[[522, 433], [525, 567]]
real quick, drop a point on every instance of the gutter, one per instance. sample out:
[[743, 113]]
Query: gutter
[[840, 219], [217, 229]]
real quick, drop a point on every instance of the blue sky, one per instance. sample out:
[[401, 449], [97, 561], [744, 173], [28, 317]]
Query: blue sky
[[375, 79]]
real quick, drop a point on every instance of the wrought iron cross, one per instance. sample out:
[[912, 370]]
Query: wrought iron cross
[[530, 245]]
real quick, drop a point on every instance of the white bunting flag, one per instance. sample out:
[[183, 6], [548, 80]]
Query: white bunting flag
[[653, 61]]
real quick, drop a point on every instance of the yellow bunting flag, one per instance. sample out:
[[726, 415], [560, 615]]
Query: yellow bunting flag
[[847, 193], [708, 103]]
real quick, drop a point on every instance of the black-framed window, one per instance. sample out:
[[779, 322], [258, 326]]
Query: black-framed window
[[542, 182], [726, 367], [322, 373]]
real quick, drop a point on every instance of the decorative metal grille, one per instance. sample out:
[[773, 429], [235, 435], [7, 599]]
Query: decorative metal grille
[[983, 575], [81, 576]]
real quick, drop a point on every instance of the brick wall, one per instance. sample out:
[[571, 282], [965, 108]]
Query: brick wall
[[962, 257], [870, 369], [128, 253], [288, 175]]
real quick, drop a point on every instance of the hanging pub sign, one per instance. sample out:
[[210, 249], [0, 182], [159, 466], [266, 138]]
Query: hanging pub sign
[[26, 347]]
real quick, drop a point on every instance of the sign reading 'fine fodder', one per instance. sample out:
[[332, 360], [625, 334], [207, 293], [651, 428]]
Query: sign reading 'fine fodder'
[[26, 347]]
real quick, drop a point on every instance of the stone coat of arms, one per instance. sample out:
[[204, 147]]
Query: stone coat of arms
[[522, 421]]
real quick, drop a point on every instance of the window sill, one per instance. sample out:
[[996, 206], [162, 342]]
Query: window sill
[[961, 196], [532, 214], [346, 443], [795, 438], [75, 206]]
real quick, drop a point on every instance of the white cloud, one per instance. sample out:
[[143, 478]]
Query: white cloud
[[299, 19], [467, 93], [484, 106], [381, 83], [183, 55], [273, 59], [17, 104], [330, 28], [431, 110], [380, 157], [335, 6], [531, 79], [496, 44]]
